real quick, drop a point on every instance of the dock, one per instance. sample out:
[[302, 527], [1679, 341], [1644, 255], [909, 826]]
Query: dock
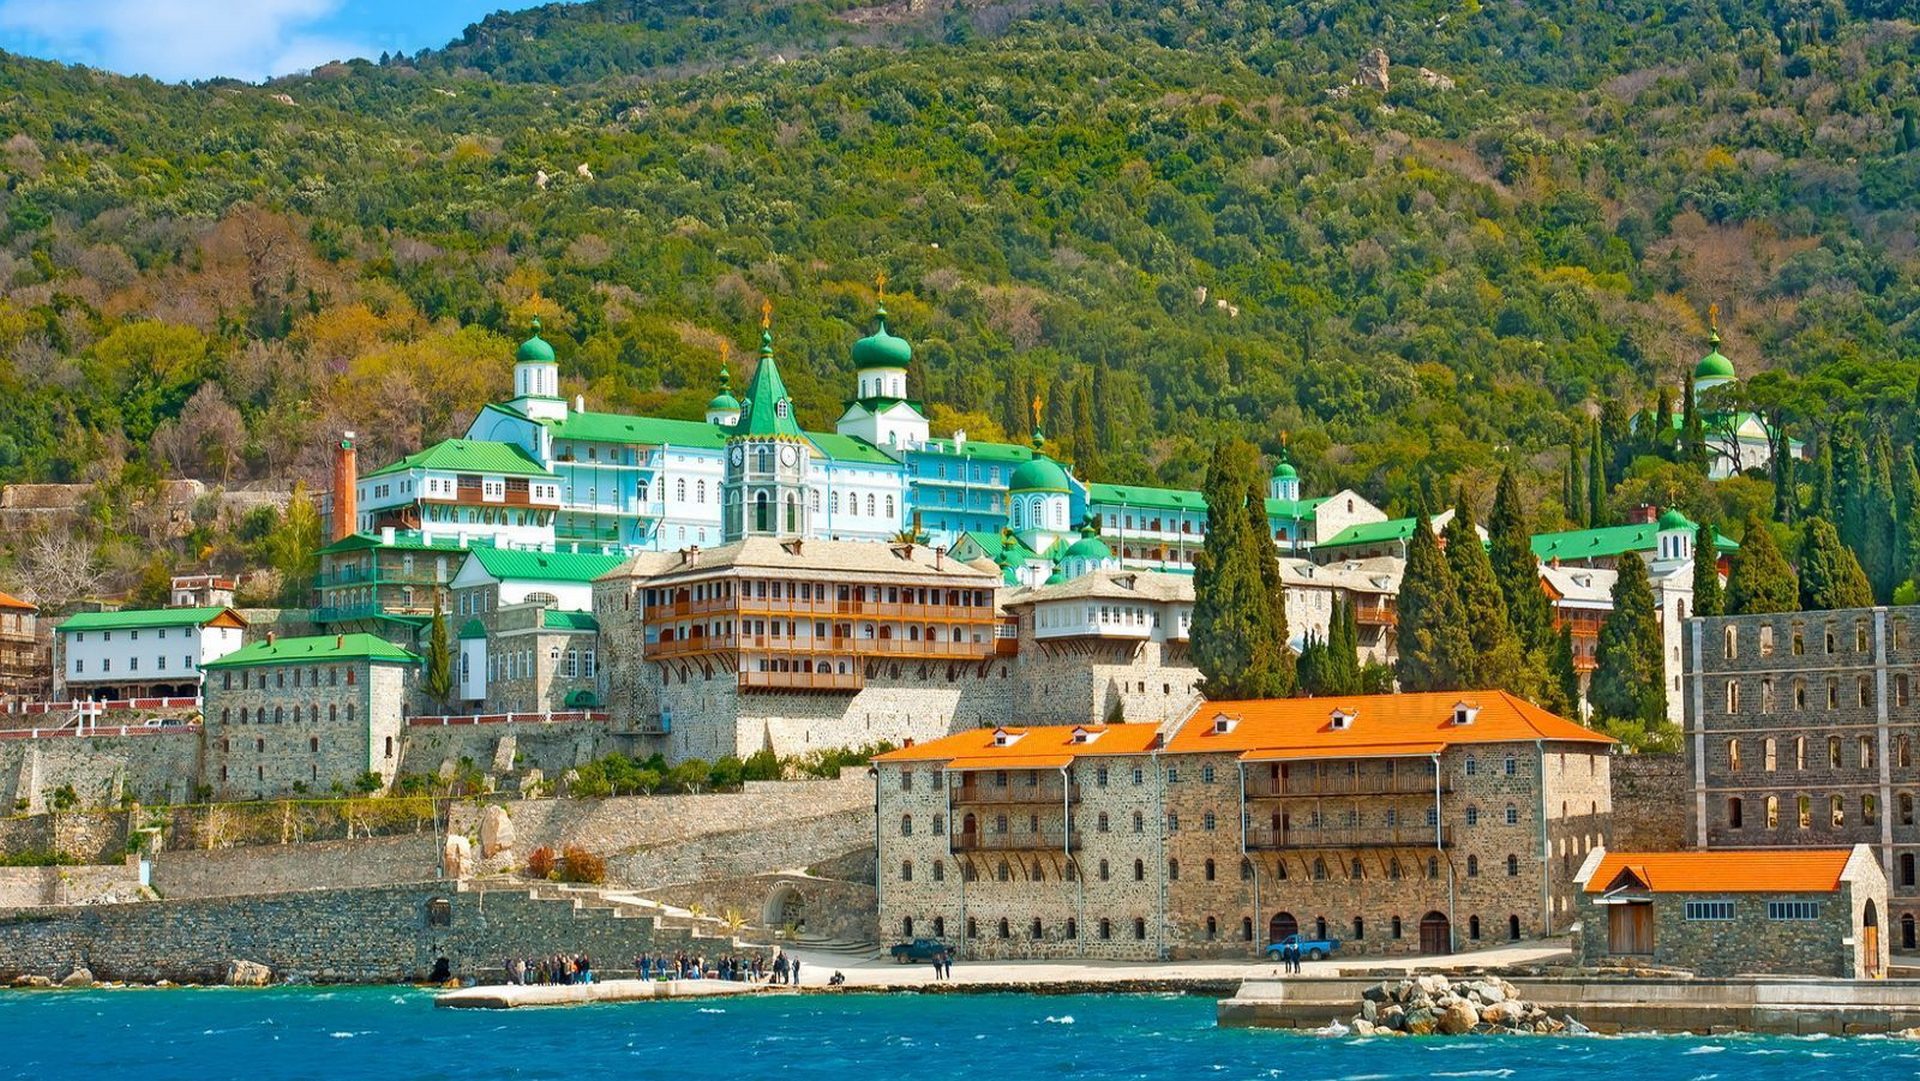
[[513, 996]]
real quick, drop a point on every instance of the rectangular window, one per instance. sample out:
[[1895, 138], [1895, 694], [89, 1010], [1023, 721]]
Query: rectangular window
[[1793, 910], [1709, 910]]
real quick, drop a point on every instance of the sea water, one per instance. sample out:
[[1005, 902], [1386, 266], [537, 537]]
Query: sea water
[[380, 1033]]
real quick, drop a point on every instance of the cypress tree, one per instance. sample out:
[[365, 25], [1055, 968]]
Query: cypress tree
[[1564, 685], [1577, 507], [1497, 659], [438, 681], [1597, 480], [1629, 688], [1515, 567], [1343, 655], [1850, 490], [1436, 652], [1786, 483], [1820, 501], [1760, 580], [1660, 439], [1879, 550], [1310, 676], [1273, 657], [1830, 576], [1910, 521], [1616, 437], [1086, 446], [1693, 431], [1235, 637], [1707, 598], [1909, 132]]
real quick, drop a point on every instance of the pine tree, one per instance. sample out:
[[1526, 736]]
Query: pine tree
[[438, 680], [1629, 688], [1565, 678], [1909, 134], [1237, 642], [1436, 652], [1830, 576], [1597, 480], [1707, 598], [1498, 659], [1760, 581], [1515, 567]]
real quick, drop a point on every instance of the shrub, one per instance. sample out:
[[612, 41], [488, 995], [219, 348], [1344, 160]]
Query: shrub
[[540, 862], [582, 866]]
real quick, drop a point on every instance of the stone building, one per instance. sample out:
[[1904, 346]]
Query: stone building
[[1812, 912], [528, 639], [290, 715], [801, 645], [1399, 823], [1107, 646], [1800, 732]]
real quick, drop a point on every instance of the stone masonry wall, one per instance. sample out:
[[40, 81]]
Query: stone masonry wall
[[824, 908], [1081, 682], [1653, 801], [355, 935], [93, 837], [158, 768], [29, 887], [225, 872], [502, 748], [1748, 944]]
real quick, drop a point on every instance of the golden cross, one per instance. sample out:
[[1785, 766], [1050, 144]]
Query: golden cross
[[1036, 411], [766, 313], [726, 347], [1713, 315], [880, 283]]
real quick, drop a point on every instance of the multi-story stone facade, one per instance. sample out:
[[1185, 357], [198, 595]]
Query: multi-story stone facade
[[289, 715], [1813, 912], [1399, 823], [1800, 733], [23, 655]]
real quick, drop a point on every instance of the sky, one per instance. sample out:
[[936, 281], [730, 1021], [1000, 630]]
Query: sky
[[173, 40]]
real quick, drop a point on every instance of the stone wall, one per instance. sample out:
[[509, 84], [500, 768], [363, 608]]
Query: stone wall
[[1653, 801], [354, 935], [819, 907], [270, 728], [225, 872], [500, 749], [159, 768], [1747, 944], [87, 836], [1082, 681], [30, 887]]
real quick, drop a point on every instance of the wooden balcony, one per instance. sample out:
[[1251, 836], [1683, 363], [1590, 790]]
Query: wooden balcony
[[801, 681], [1016, 791], [1266, 786], [810, 646], [1012, 841], [1267, 838], [820, 608], [1376, 615]]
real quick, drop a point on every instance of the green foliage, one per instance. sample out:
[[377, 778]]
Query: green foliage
[[1436, 649], [1628, 691], [1564, 676], [1830, 576], [38, 857], [1708, 599], [1239, 628], [829, 762], [1515, 568], [368, 783], [437, 682], [1759, 580], [1498, 659]]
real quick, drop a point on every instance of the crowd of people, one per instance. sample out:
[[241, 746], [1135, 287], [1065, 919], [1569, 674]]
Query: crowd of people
[[685, 966], [557, 969]]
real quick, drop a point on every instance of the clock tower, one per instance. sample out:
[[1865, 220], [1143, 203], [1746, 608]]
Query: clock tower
[[765, 493]]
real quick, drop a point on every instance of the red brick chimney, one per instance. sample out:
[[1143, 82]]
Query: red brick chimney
[[345, 516]]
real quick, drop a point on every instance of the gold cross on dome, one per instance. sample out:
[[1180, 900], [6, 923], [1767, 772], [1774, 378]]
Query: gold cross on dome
[[1713, 315], [766, 313], [726, 347], [880, 283], [1036, 411]]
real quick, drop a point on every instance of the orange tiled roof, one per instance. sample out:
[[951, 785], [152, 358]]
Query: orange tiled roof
[[1799, 870], [1039, 747], [1306, 724], [1370, 750], [8, 600]]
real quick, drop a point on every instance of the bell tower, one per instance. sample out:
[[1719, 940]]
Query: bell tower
[[764, 493]]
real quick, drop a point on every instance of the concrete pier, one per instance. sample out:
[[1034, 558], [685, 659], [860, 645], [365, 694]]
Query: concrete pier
[[1775, 1005], [510, 996]]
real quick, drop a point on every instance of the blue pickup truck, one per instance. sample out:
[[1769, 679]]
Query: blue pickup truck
[[1311, 949]]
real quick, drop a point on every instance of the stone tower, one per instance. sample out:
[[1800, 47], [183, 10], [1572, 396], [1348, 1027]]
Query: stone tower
[[768, 457]]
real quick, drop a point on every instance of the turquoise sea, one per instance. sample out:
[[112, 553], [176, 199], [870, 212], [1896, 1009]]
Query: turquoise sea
[[374, 1033]]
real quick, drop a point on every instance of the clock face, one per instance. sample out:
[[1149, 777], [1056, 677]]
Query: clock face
[[739, 454], [789, 455]]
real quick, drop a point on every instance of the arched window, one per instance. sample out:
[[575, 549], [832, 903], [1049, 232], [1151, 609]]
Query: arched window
[[1140, 928], [1101, 823], [1246, 869], [1103, 870], [1005, 929], [906, 870], [1473, 928], [1473, 866], [1513, 928], [1513, 866], [890, 516], [1246, 928], [1906, 869], [906, 825], [1733, 696], [1734, 818], [1037, 930], [680, 490], [973, 927], [1732, 648], [1319, 869], [1359, 928], [1209, 870], [1139, 870], [1213, 928], [1073, 925], [1733, 751], [1354, 872], [1173, 870], [939, 870], [1004, 872]]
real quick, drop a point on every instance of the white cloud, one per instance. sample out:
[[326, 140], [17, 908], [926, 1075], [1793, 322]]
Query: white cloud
[[182, 39]]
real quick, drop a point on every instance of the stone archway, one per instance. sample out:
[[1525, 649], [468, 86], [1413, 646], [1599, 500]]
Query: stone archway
[[785, 905]]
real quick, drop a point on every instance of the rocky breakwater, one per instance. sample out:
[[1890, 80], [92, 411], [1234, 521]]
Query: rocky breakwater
[[1427, 1005]]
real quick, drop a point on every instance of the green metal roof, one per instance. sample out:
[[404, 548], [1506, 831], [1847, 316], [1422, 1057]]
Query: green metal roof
[[994, 452], [582, 698], [404, 541], [1303, 509], [1393, 529], [554, 619], [1042, 474], [472, 629], [767, 407], [847, 448], [645, 431], [470, 456], [1607, 541], [517, 565], [141, 618], [315, 648], [1135, 495]]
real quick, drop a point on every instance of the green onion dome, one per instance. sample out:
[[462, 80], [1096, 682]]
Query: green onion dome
[[1039, 475], [881, 349], [535, 349]]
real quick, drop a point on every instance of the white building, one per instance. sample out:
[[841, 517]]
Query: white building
[[149, 653]]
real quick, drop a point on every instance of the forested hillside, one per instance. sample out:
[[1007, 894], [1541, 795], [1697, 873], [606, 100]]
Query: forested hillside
[[1171, 222]]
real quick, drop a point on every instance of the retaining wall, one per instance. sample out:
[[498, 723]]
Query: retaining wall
[[1652, 803]]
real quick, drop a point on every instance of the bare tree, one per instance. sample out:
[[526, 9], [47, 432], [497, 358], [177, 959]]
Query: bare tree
[[58, 567], [206, 439]]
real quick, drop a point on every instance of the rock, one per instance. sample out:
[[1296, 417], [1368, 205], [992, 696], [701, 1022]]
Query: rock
[[582, 171], [496, 832], [248, 974], [33, 981], [457, 856], [1379, 992], [1506, 1014], [284, 99], [81, 976], [1433, 984], [1420, 1022], [1393, 1017], [1362, 1027], [1369, 1010], [1435, 79], [1457, 1019], [1491, 992], [540, 179], [1373, 70], [1575, 1028]]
